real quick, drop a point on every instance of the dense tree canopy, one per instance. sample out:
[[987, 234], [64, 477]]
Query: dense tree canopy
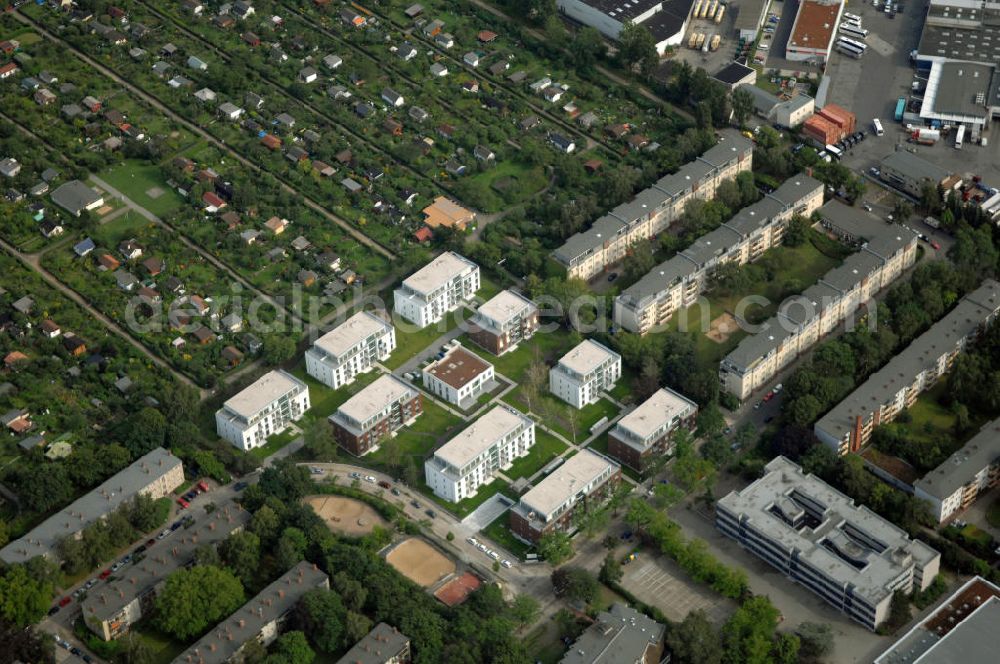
[[195, 598]]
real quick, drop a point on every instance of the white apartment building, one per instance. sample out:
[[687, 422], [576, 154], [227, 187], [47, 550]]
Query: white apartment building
[[896, 386], [459, 377], [964, 476], [678, 282], [846, 554], [352, 348], [472, 458], [262, 410], [441, 286], [584, 372], [805, 319], [590, 252]]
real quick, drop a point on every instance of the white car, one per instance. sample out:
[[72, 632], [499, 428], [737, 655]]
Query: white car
[[778, 388], [370, 478], [481, 546], [506, 563], [494, 555]]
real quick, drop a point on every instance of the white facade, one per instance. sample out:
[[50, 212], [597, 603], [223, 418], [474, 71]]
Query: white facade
[[263, 409], [459, 377], [584, 372], [351, 348], [472, 458], [439, 287]]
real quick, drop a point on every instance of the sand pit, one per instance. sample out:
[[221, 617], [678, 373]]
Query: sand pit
[[458, 590], [420, 562], [103, 210], [345, 515], [721, 328], [155, 192]]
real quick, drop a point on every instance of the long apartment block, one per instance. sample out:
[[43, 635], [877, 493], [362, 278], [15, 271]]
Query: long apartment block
[[583, 373], [258, 620], [374, 413], [895, 387], [263, 409], [805, 319], [964, 476], [645, 435], [606, 242], [678, 282], [472, 458], [503, 321], [584, 481], [846, 554], [351, 348], [111, 608], [440, 287], [156, 474]]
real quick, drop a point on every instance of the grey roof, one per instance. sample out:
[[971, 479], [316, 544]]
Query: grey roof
[[74, 196], [732, 73], [857, 266], [106, 498], [913, 167], [749, 14], [659, 279], [800, 309], [620, 634], [849, 221], [981, 451], [756, 346], [378, 645], [751, 219], [712, 245], [785, 489], [168, 555], [969, 314], [960, 30], [764, 102], [225, 639]]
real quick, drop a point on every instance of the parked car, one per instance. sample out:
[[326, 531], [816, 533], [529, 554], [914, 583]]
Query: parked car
[[934, 243], [612, 276], [472, 540], [431, 513], [183, 503], [87, 658], [105, 574], [65, 600], [370, 479], [54, 610], [506, 563], [239, 486], [779, 387], [394, 491], [415, 504], [315, 471], [384, 484]]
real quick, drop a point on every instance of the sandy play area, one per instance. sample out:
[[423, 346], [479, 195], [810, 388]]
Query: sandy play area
[[420, 562], [721, 328], [345, 515]]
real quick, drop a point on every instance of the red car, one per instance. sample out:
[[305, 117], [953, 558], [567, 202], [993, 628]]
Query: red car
[[935, 244], [65, 600], [203, 486], [768, 396], [183, 503], [105, 574]]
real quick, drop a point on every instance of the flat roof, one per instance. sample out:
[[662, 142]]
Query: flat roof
[[479, 436], [74, 196], [749, 14], [958, 90], [225, 639], [670, 20], [621, 10], [565, 481], [353, 331], [107, 600], [438, 272], [659, 409], [502, 307], [958, 619], [118, 489], [815, 24], [620, 634], [377, 646], [373, 399], [586, 356], [458, 367], [965, 318], [734, 72], [913, 167], [262, 392], [835, 522], [960, 30], [981, 451]]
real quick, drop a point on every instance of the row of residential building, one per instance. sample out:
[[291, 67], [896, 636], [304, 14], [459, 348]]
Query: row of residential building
[[805, 319], [846, 554], [606, 242], [895, 387], [678, 282]]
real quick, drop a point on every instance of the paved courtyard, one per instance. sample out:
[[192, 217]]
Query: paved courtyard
[[491, 510], [659, 582]]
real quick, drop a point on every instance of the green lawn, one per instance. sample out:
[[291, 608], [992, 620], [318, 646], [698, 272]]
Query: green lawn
[[434, 426], [464, 508], [993, 514], [560, 416], [544, 645], [325, 400], [410, 342], [546, 347], [546, 448], [930, 419], [136, 178], [163, 648], [274, 443], [500, 533], [506, 183], [128, 225]]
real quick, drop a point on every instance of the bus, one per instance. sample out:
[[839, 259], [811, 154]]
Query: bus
[[853, 18], [900, 109], [878, 127], [853, 30], [850, 51], [852, 42], [959, 137], [835, 151]]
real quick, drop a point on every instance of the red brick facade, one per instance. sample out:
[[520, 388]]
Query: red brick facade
[[498, 344], [521, 527], [639, 461], [361, 445]]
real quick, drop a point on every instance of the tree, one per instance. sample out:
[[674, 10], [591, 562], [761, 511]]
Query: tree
[[816, 640], [352, 592], [321, 614], [749, 634], [24, 599], [291, 648], [241, 553], [743, 106], [637, 48], [586, 48], [356, 626], [575, 584], [524, 609], [143, 432], [278, 349], [195, 598], [694, 640], [555, 547], [265, 523], [611, 570], [26, 645], [640, 260], [797, 231], [291, 548], [319, 441]]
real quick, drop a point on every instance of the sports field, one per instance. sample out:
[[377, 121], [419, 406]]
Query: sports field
[[458, 590], [420, 562], [345, 515]]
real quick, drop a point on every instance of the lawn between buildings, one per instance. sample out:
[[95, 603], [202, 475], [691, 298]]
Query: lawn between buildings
[[144, 184]]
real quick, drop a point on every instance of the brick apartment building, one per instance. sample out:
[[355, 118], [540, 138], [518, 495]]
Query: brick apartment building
[[374, 413]]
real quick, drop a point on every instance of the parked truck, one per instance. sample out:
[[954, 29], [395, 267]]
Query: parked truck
[[697, 8], [701, 40], [716, 39], [693, 41], [926, 136], [719, 13]]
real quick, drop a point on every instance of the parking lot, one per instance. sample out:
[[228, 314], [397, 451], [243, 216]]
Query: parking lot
[[659, 582]]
